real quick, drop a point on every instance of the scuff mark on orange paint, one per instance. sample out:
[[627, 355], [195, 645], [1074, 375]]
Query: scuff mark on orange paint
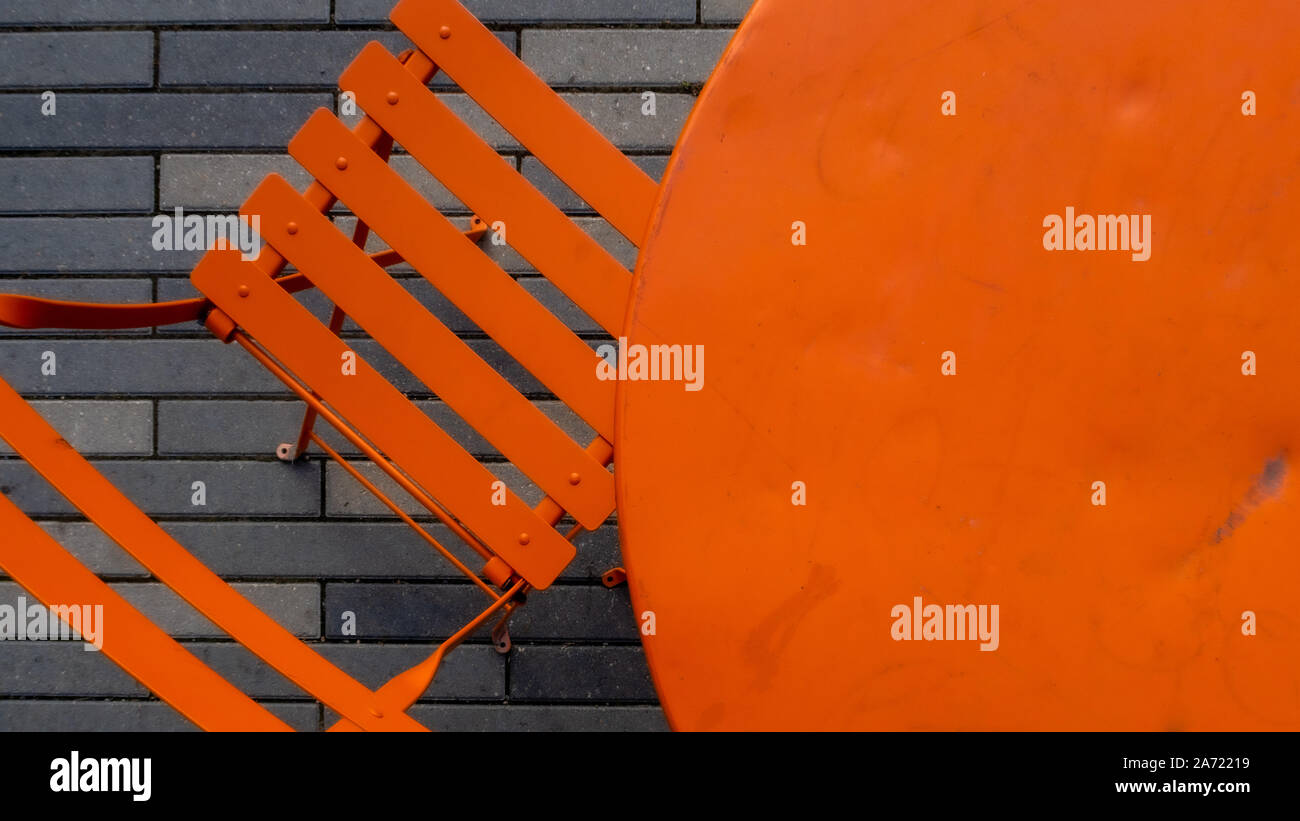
[[1266, 485], [762, 650]]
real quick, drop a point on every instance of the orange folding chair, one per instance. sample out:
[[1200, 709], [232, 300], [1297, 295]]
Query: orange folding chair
[[250, 303]]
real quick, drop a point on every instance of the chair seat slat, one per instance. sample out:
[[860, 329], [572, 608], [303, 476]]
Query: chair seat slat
[[368, 401], [433, 353], [460, 159], [530, 110], [426, 239]]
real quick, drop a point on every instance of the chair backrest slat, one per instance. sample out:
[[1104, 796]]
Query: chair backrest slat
[[368, 401], [132, 641], [460, 159], [71, 475], [431, 351], [526, 106], [489, 296]]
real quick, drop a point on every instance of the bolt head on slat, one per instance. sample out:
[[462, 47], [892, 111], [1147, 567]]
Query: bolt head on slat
[[574, 478], [444, 32], [244, 291], [523, 538], [341, 163], [392, 98], [291, 228]]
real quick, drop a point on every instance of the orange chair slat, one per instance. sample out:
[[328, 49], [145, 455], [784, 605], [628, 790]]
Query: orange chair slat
[[383, 414], [137, 645], [69, 473], [431, 351], [489, 296], [527, 107], [451, 151]]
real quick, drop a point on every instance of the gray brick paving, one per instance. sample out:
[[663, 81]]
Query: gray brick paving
[[540, 11], [621, 58], [724, 11], [172, 12], [57, 185], [271, 58], [99, 428], [101, 59]]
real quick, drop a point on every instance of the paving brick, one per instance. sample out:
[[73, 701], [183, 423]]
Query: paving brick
[[58, 668], [312, 549], [619, 118], [95, 550], [617, 115], [91, 12], [156, 120], [86, 245], [539, 11], [344, 496], [272, 58], [263, 58], [297, 550], [400, 611], [192, 366], [405, 611], [56, 185], [560, 194], [83, 716], [724, 11], [343, 550], [515, 718], [258, 427], [164, 488], [221, 182], [638, 57], [473, 672], [296, 606], [149, 367], [101, 59], [579, 673], [578, 613], [99, 428], [79, 290]]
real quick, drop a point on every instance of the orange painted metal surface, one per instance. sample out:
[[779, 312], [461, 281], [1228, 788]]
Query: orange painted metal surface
[[944, 392]]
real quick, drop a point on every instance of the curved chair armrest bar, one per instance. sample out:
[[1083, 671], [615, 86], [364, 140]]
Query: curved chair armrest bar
[[38, 313]]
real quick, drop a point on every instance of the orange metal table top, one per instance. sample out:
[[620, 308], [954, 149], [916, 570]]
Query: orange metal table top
[[1003, 293]]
